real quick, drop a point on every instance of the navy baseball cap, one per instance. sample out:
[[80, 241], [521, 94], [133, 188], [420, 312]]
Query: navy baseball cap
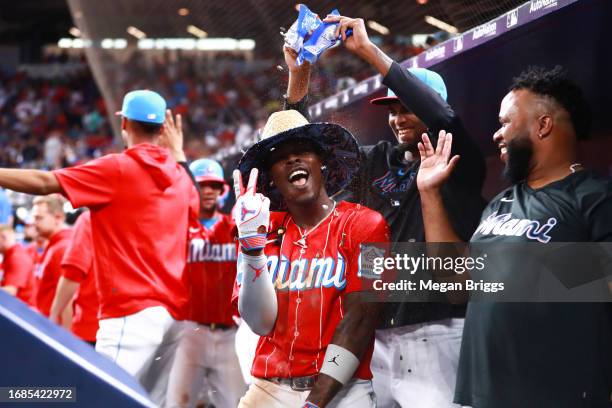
[[430, 78], [144, 106]]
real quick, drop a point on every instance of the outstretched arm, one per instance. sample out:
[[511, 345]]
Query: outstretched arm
[[353, 334], [29, 181]]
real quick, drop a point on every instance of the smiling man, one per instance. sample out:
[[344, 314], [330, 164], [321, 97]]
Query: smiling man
[[532, 354], [298, 282], [416, 103]]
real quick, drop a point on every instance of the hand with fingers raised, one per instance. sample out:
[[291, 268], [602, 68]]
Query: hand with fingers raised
[[172, 136], [251, 213], [435, 166]]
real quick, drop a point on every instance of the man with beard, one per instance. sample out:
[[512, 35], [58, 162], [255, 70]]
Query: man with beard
[[299, 284], [532, 354], [416, 101]]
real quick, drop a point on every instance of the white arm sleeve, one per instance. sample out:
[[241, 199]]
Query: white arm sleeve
[[257, 297]]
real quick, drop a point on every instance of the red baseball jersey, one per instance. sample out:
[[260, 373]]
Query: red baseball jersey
[[50, 268], [311, 284], [18, 268], [140, 202], [77, 265], [211, 272]]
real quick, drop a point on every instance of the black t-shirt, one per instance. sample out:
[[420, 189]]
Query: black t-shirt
[[541, 354], [387, 183]]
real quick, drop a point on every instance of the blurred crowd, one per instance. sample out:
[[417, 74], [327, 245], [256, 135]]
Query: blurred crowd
[[62, 119]]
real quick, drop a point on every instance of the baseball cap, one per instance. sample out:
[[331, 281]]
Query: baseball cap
[[430, 78], [143, 106], [207, 170]]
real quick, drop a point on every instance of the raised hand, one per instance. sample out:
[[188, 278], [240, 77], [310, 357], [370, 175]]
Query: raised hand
[[435, 167], [251, 213], [359, 43], [172, 136]]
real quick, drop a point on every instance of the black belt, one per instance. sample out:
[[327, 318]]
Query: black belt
[[217, 326], [296, 383]]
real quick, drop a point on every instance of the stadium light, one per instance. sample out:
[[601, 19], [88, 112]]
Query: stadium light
[[378, 27], [203, 44], [114, 43], [197, 32], [441, 25], [183, 11], [75, 32], [136, 32]]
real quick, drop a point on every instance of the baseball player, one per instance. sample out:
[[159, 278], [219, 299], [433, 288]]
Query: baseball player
[[206, 352], [298, 283], [547, 354], [49, 217], [420, 339], [78, 282], [17, 267], [140, 202]]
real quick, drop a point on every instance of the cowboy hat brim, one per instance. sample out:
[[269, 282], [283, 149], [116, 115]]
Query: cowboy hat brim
[[339, 147]]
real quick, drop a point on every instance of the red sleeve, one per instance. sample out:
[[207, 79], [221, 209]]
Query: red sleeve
[[92, 183], [371, 227], [18, 267], [78, 257]]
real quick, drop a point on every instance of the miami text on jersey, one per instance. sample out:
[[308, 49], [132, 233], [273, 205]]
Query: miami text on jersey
[[390, 183], [201, 250], [305, 273], [504, 224]]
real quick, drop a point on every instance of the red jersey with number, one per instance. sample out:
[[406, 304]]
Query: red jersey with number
[[77, 265], [140, 202], [18, 271], [311, 284], [50, 268], [211, 272]]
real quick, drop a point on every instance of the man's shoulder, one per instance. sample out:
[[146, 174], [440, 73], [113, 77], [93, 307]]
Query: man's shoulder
[[382, 147], [360, 213]]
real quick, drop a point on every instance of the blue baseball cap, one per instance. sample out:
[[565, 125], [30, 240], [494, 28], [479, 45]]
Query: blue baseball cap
[[430, 78], [204, 170], [144, 106]]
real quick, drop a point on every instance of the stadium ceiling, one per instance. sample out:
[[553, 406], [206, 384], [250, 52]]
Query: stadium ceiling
[[48, 20]]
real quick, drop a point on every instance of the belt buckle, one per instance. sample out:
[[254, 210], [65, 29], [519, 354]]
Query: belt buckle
[[213, 326], [303, 383]]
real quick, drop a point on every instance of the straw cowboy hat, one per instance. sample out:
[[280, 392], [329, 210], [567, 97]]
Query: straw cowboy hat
[[340, 152]]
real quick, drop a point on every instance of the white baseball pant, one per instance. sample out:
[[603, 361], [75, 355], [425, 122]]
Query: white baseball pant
[[246, 343], [266, 394], [205, 357], [143, 344], [416, 365]]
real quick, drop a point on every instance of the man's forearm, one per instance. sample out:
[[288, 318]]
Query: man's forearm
[[257, 302], [438, 227], [29, 181], [66, 288], [376, 57], [297, 87], [354, 333]]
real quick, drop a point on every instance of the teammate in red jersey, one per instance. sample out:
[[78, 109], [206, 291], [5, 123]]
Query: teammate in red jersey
[[140, 201], [49, 220], [78, 282], [17, 276], [301, 290], [206, 352]]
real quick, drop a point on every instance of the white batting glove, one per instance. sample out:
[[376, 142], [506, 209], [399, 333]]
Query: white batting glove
[[251, 213]]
